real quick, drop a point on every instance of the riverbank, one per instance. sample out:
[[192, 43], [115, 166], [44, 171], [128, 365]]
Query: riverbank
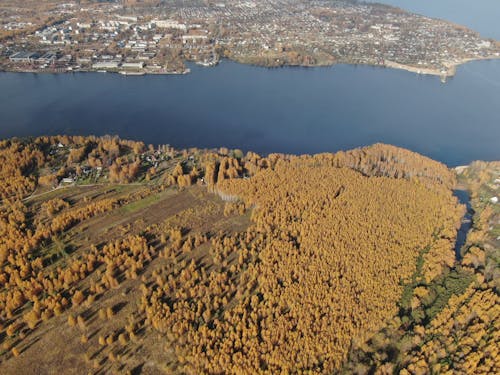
[[449, 70], [115, 71]]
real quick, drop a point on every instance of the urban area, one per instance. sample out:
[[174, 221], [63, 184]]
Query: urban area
[[159, 37]]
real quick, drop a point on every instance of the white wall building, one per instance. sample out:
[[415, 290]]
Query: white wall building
[[169, 24]]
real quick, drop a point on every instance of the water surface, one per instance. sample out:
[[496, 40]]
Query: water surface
[[291, 110], [466, 223]]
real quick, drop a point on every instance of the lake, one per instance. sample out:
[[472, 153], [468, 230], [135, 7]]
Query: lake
[[290, 110], [479, 15]]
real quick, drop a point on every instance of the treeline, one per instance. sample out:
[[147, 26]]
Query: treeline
[[378, 160], [25, 163]]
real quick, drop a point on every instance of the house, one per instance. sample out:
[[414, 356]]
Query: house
[[68, 180]]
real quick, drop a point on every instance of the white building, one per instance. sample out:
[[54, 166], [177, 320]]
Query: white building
[[68, 180], [105, 65], [169, 24], [133, 65], [193, 38]]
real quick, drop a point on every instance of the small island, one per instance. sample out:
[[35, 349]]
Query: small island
[[154, 37]]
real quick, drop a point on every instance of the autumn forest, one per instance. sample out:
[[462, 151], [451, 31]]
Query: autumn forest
[[123, 258]]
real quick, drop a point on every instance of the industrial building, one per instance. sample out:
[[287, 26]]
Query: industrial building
[[24, 57]]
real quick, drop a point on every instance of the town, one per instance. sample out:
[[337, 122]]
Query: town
[[156, 37]]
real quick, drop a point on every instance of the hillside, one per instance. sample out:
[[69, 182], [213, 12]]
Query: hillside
[[121, 258]]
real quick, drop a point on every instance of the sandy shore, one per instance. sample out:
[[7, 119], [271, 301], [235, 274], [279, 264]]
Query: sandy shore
[[449, 71]]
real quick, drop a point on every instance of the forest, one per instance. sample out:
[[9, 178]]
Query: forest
[[118, 257]]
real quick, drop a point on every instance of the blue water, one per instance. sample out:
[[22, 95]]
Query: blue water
[[480, 15], [291, 110], [466, 223]]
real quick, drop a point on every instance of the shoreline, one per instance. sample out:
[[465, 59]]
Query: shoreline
[[450, 71], [118, 72]]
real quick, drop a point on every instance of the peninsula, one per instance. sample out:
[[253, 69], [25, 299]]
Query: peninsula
[[158, 37]]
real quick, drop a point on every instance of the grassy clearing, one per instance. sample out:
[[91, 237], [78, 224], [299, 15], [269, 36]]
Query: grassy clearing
[[146, 202]]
